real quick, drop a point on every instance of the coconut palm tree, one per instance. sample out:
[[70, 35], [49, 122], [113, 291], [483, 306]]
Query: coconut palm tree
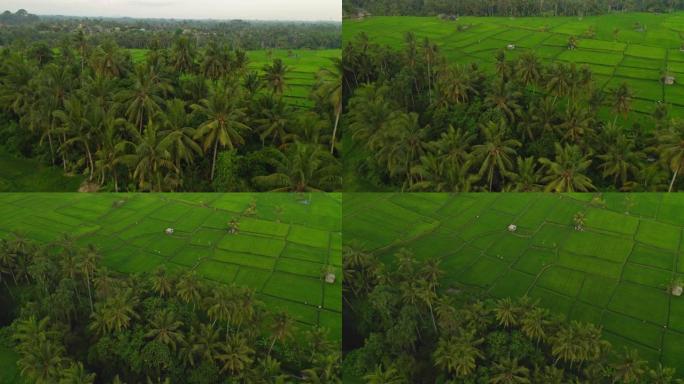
[[189, 288], [506, 312], [165, 328], [281, 329], [630, 369], [42, 363], [150, 159], [507, 371], [534, 323], [224, 120], [566, 172], [182, 54], [301, 168], [622, 100], [273, 119], [274, 76], [458, 355], [178, 134], [329, 87], [384, 376], [235, 356], [143, 100], [76, 374], [495, 152], [671, 149]]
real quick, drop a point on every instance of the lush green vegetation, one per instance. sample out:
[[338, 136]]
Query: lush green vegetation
[[282, 246], [611, 260], [188, 114], [195, 288], [20, 174], [575, 104], [353, 8]]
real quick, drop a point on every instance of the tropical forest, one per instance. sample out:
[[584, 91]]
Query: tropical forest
[[513, 96], [124, 104]]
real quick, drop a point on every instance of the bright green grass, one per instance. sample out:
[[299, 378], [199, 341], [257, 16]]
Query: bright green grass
[[303, 65], [280, 252], [9, 373], [651, 51], [29, 175], [613, 273]]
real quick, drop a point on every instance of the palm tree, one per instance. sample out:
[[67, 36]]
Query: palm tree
[[384, 376], [302, 168], [162, 282], [458, 355], [630, 369], [504, 97], [203, 342], [506, 312], [329, 87], [189, 288], [527, 177], [454, 85], [164, 328], [274, 75], [235, 355], [496, 151], [274, 115], [151, 159], [529, 68], [622, 100], [217, 61], [76, 374], [183, 53], [620, 158], [534, 323], [77, 121], [144, 98], [224, 120], [566, 172], [576, 124], [178, 134], [42, 363], [88, 260], [507, 371], [671, 148], [281, 328]]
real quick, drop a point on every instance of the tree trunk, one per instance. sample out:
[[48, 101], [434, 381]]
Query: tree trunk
[[337, 120], [90, 295], [674, 177], [271, 347], [90, 161], [213, 162]]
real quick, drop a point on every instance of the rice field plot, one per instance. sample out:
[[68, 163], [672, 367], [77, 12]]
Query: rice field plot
[[284, 245], [303, 66], [645, 46], [614, 271]]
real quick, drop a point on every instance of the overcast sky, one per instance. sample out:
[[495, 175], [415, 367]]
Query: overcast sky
[[186, 9]]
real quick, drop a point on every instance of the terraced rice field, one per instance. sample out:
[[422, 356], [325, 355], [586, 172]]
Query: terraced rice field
[[303, 65], [614, 273], [9, 373], [637, 55], [280, 251]]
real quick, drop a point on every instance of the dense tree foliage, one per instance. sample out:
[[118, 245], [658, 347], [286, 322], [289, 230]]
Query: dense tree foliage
[[162, 124], [78, 322], [146, 33], [420, 123], [404, 326], [506, 7]]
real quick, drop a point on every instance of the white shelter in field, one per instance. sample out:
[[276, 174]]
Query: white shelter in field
[[510, 47], [669, 80], [330, 278], [677, 290], [512, 228]]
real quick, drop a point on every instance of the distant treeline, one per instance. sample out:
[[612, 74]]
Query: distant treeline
[[506, 7], [19, 17], [148, 33]]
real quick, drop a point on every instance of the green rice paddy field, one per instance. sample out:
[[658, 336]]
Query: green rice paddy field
[[303, 64], [638, 56], [614, 273], [280, 252]]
